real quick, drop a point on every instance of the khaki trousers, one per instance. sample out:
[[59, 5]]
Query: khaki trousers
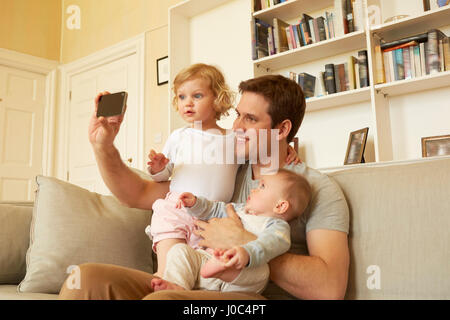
[[110, 282]]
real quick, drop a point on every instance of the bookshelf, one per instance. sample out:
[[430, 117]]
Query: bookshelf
[[398, 113]]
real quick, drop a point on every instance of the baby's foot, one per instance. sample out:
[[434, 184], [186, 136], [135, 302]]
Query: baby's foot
[[160, 284], [213, 268]]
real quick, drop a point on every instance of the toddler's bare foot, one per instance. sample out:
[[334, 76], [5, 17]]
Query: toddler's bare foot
[[215, 268], [160, 284]]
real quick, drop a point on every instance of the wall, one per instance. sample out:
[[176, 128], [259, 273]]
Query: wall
[[31, 27]]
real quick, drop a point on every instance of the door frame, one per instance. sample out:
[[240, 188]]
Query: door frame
[[48, 68], [135, 45]]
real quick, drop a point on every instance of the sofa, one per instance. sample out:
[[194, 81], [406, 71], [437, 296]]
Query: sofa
[[399, 235]]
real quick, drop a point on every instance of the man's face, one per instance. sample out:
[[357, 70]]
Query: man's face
[[252, 116]]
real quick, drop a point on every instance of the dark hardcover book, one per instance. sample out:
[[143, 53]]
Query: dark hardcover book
[[302, 31], [400, 64], [329, 78], [342, 77], [306, 27], [256, 5], [432, 52], [363, 66], [308, 84], [423, 37], [349, 15], [262, 34], [337, 81], [322, 31], [300, 35]]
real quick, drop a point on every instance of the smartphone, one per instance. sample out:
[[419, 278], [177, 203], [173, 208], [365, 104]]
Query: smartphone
[[112, 104]]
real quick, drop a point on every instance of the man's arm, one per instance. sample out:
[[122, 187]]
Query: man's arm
[[321, 275], [128, 187]]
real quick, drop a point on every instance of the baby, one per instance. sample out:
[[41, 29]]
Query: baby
[[278, 199]]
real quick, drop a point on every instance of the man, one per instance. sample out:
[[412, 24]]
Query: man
[[317, 265]]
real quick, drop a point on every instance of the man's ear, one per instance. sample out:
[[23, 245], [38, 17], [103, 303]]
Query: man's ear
[[281, 207], [285, 128]]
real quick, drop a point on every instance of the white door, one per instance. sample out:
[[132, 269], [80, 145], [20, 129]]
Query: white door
[[22, 107], [120, 75]]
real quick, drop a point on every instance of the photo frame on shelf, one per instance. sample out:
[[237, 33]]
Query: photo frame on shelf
[[162, 70], [436, 146], [356, 146]]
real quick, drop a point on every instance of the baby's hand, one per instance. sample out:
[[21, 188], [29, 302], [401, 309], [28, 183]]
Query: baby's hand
[[157, 163], [187, 200], [235, 257]]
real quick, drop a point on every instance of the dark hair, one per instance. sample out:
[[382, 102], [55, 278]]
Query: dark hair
[[285, 97]]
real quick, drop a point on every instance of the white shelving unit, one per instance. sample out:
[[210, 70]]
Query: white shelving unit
[[393, 111]]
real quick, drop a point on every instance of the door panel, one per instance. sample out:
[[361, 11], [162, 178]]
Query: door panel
[[22, 108]]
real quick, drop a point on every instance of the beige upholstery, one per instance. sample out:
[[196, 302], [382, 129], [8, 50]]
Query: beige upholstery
[[399, 227], [71, 226]]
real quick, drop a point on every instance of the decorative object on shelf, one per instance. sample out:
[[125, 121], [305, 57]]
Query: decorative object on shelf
[[162, 70], [396, 18], [356, 146], [442, 3], [426, 5], [295, 144], [436, 146]]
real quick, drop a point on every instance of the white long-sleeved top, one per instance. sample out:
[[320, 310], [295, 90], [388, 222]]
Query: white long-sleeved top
[[200, 162]]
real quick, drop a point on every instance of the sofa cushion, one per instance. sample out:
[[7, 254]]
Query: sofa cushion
[[399, 232], [71, 225], [15, 220], [9, 292]]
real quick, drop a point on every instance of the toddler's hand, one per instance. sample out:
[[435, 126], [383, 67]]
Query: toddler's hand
[[236, 256], [157, 163], [187, 200]]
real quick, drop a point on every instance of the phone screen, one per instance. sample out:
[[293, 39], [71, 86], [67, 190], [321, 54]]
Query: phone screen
[[112, 104]]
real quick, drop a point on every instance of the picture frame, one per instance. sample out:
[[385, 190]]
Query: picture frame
[[162, 70], [356, 146], [436, 146]]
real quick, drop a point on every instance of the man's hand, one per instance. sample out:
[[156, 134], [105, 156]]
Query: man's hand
[[103, 131], [223, 233], [157, 163], [236, 257], [292, 156], [186, 199]]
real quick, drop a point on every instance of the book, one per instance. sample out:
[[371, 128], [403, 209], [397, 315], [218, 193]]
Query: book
[[446, 46], [261, 35], [379, 62], [308, 84], [321, 25], [423, 65], [287, 31], [394, 62], [323, 87], [337, 81], [270, 41], [412, 64], [363, 69], [432, 51], [391, 65], [329, 78], [281, 42], [387, 74], [313, 33], [417, 65], [359, 15], [398, 55], [349, 15], [441, 55], [342, 77], [406, 63], [296, 38], [306, 18], [352, 62]]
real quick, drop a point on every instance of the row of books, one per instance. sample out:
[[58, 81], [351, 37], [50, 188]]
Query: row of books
[[269, 39], [264, 4], [350, 75], [411, 57]]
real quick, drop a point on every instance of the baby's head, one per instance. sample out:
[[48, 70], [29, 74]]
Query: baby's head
[[284, 195], [206, 82]]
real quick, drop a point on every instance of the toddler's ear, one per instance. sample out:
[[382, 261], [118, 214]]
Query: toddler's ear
[[281, 207]]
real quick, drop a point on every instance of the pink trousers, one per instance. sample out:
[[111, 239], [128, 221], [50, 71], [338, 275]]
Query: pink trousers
[[168, 222]]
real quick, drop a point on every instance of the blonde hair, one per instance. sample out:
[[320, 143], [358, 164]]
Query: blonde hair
[[224, 96]]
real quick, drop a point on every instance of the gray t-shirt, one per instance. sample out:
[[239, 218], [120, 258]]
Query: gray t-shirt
[[328, 210]]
